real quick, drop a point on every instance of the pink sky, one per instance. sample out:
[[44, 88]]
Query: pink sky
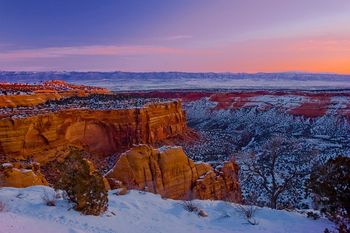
[[218, 36]]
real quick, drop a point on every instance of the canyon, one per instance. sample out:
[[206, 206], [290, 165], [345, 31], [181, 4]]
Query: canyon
[[304, 103], [37, 121], [101, 132], [37, 126]]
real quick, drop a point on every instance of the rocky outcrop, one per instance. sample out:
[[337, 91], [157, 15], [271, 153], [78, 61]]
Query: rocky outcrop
[[32, 95], [14, 175], [170, 173], [28, 100], [101, 132], [40, 97], [224, 186]]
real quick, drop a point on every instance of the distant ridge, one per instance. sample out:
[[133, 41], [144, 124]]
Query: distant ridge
[[120, 80]]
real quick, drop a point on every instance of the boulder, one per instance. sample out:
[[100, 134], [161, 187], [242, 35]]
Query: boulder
[[14, 175]]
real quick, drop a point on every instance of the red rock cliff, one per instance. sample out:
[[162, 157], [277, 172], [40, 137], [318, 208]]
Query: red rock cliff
[[38, 94], [98, 131], [170, 173]]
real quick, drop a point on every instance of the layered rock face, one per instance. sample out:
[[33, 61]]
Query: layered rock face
[[28, 100], [170, 173], [32, 95], [20, 177], [101, 132]]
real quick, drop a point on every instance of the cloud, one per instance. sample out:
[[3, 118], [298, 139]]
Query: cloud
[[312, 54], [93, 50], [178, 37]]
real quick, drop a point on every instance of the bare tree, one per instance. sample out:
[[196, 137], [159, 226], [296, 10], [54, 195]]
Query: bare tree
[[276, 174]]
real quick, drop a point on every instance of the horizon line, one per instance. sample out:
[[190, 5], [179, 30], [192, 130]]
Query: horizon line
[[173, 71]]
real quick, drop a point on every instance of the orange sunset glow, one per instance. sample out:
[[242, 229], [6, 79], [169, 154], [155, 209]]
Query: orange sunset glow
[[220, 36]]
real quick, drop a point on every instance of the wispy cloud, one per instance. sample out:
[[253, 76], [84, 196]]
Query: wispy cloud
[[178, 37], [173, 38], [93, 50]]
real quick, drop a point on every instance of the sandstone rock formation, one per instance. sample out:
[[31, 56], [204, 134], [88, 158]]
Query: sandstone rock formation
[[14, 175], [98, 131], [28, 100], [170, 173], [38, 94], [224, 185]]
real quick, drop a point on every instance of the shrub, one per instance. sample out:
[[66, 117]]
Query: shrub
[[330, 185], [313, 215], [83, 184], [342, 223], [190, 206], [248, 212]]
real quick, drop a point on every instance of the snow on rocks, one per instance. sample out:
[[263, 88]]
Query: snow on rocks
[[7, 165]]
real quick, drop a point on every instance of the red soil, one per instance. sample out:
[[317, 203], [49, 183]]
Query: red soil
[[316, 104], [315, 107], [233, 100]]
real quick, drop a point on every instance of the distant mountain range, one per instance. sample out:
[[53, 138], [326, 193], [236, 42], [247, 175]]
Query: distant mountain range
[[179, 80]]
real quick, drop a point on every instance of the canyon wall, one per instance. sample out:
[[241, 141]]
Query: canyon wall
[[101, 132], [24, 95], [27, 100], [169, 172], [40, 97]]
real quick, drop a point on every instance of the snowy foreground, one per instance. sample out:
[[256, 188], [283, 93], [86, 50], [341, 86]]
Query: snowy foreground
[[140, 212]]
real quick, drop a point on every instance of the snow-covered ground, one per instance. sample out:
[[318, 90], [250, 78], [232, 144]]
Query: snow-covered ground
[[282, 102], [117, 81], [140, 212]]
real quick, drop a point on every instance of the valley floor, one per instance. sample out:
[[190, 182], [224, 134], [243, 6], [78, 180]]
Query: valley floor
[[139, 212]]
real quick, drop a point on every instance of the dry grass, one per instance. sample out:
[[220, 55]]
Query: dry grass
[[248, 211], [190, 206]]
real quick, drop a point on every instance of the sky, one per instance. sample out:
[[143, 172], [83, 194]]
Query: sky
[[182, 35]]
